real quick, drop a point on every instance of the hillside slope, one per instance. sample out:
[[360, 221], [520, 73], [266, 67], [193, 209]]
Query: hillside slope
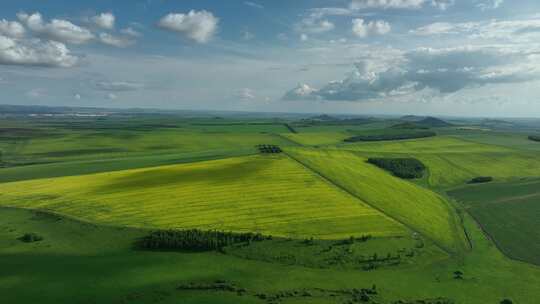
[[268, 194], [418, 208]]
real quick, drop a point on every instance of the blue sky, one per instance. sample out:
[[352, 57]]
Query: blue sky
[[443, 57]]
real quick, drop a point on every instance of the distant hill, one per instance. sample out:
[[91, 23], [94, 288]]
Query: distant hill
[[496, 123], [409, 125], [412, 118], [433, 122], [324, 117]]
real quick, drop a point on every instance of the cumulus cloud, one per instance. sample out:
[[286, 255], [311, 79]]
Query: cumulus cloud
[[119, 86], [104, 20], [11, 29], [35, 53], [116, 41], [57, 29], [199, 26], [301, 92], [304, 37], [362, 29], [447, 70]]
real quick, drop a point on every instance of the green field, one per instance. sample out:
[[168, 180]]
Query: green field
[[268, 194], [510, 214], [92, 187], [452, 161], [418, 208]]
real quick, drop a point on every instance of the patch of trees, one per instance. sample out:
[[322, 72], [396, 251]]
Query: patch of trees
[[269, 149], [481, 180], [390, 136], [534, 137], [196, 240], [408, 168], [31, 237]]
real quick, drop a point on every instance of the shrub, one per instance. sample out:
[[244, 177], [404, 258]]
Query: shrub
[[401, 167], [196, 240], [506, 301], [31, 237], [269, 149], [481, 179]]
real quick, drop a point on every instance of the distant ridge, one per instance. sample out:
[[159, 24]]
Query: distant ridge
[[433, 122]]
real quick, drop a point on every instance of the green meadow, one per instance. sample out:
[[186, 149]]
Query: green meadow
[[334, 225]]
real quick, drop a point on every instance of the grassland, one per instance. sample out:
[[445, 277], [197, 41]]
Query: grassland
[[109, 180], [452, 161], [84, 263], [317, 138], [509, 212], [268, 194], [423, 210]]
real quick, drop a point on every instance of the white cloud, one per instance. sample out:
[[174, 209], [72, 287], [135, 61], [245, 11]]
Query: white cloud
[[301, 92], [445, 71], [399, 4], [196, 25], [523, 31], [489, 4], [129, 31], [362, 29], [314, 26], [304, 37], [105, 20], [443, 4], [35, 53], [119, 86], [57, 29], [36, 93], [387, 4], [441, 28], [253, 4], [247, 35], [116, 41], [77, 96], [11, 29], [246, 94], [112, 96]]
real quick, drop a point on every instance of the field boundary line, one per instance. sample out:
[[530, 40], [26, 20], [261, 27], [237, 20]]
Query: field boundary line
[[492, 240], [450, 252]]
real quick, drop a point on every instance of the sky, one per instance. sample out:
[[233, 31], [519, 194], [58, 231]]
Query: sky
[[436, 57]]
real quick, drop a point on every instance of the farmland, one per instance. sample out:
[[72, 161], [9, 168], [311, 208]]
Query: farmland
[[509, 212], [335, 225]]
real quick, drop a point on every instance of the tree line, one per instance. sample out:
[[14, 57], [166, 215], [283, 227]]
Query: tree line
[[196, 240], [384, 137], [534, 137]]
